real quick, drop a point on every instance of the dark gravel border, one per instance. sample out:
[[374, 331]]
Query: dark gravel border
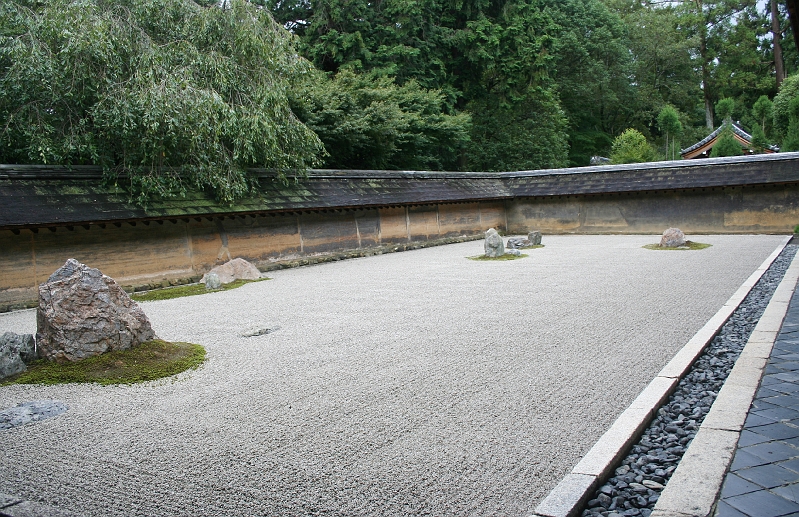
[[635, 487]]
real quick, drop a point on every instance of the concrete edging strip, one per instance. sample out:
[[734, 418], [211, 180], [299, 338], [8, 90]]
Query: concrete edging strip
[[566, 499], [695, 485]]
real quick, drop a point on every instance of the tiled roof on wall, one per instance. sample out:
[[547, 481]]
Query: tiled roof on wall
[[42, 196]]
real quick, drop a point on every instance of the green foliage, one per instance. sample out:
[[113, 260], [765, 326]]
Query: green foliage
[[631, 147], [763, 112], [148, 361], [791, 140], [164, 94], [726, 145], [669, 123], [789, 90], [369, 122], [724, 108], [525, 136], [759, 140], [527, 58]]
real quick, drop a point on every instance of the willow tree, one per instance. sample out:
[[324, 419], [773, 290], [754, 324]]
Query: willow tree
[[165, 95]]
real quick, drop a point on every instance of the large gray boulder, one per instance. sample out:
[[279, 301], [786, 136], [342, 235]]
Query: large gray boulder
[[493, 244], [83, 313], [672, 238], [15, 351], [236, 269], [534, 238]]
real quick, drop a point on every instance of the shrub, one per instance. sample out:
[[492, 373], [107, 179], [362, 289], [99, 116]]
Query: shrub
[[631, 147]]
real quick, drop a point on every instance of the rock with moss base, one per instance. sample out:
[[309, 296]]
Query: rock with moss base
[[236, 269], [672, 238], [494, 247], [83, 313]]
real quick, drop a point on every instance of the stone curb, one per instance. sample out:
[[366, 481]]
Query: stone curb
[[574, 490], [695, 485]]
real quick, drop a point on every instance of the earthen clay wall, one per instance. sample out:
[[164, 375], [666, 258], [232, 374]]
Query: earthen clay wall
[[179, 250]]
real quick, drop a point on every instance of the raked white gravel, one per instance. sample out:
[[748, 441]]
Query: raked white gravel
[[415, 383]]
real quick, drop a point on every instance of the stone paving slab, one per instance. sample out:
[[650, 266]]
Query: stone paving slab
[[403, 384], [763, 480]]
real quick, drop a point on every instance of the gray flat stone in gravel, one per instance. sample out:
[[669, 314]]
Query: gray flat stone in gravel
[[7, 500], [385, 390], [26, 412], [33, 509]]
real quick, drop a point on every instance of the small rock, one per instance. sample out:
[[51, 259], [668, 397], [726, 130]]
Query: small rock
[[494, 247], [622, 470], [534, 238], [652, 485], [672, 238], [604, 500], [236, 269], [513, 252], [10, 361], [212, 281]]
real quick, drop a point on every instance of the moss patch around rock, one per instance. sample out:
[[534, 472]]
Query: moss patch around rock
[[150, 360], [689, 245], [187, 290], [483, 258]]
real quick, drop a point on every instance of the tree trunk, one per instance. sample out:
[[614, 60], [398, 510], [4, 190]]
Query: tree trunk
[[776, 37], [705, 71]]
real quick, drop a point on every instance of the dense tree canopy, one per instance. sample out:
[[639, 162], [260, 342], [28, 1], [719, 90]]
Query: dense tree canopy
[[144, 87], [174, 94]]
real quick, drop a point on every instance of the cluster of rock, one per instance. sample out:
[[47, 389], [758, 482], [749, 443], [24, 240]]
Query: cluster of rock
[[533, 239], [83, 313], [635, 486], [236, 269], [672, 238], [494, 246]]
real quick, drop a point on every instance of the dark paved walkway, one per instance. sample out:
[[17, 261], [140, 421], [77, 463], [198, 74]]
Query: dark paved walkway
[[763, 480]]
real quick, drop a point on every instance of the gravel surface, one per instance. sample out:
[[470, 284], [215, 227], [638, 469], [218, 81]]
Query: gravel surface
[[408, 383], [636, 485]]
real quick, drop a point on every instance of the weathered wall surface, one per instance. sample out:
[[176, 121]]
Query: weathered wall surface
[[158, 251], [761, 209]]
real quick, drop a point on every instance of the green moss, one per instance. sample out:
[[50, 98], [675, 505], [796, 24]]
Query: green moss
[[187, 290], [149, 361], [532, 247], [689, 245], [491, 259]]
